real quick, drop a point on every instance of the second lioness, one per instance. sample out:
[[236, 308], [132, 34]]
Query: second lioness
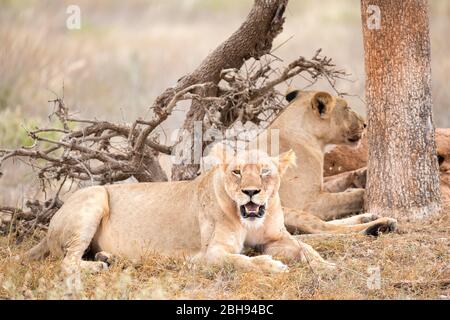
[[312, 121]]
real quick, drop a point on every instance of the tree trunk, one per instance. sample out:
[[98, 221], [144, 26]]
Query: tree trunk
[[403, 176], [252, 40]]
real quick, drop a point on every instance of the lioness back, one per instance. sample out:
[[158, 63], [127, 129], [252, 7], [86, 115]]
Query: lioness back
[[150, 217]]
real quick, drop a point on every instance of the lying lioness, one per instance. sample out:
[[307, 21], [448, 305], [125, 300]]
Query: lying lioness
[[213, 217], [312, 121]]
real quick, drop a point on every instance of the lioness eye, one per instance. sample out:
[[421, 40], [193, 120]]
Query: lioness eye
[[265, 172], [236, 172]]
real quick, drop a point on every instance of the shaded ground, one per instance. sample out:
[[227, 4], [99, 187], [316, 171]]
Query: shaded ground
[[414, 263]]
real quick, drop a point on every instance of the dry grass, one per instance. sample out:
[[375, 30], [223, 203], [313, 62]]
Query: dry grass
[[128, 52], [412, 263]]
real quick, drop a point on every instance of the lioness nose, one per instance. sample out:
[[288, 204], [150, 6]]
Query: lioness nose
[[251, 192]]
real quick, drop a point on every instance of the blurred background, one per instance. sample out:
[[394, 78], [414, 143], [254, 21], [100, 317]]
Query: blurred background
[[127, 52]]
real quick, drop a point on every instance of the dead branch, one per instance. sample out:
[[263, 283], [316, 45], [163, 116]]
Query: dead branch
[[250, 94], [104, 152], [253, 39], [24, 223]]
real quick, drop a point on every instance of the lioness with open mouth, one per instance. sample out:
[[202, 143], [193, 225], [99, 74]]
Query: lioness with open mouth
[[212, 218]]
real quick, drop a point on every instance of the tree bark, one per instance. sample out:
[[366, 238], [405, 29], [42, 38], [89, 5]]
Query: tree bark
[[252, 40], [403, 179]]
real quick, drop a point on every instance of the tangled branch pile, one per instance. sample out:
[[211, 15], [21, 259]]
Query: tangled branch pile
[[250, 94]]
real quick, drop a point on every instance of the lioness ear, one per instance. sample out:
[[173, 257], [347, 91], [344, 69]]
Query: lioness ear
[[291, 95], [220, 153], [285, 160], [322, 104]]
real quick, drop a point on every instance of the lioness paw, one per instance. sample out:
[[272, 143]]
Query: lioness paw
[[93, 266], [360, 178], [382, 225], [368, 217], [266, 263], [391, 224], [105, 257]]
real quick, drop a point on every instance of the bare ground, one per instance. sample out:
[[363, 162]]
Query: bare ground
[[413, 264]]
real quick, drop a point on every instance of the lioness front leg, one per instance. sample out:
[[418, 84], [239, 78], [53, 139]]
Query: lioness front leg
[[357, 219], [219, 255], [366, 223], [345, 180], [300, 222], [290, 249], [329, 206], [222, 243]]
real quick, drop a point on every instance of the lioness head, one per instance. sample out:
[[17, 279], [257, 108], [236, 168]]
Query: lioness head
[[251, 178], [443, 149], [331, 118]]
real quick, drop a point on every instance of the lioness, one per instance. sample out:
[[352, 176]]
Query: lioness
[[312, 121], [349, 163], [212, 217]]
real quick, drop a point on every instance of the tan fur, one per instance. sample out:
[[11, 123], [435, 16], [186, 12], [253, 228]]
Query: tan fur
[[443, 150], [312, 121], [344, 159], [199, 218], [343, 181], [342, 163], [299, 222]]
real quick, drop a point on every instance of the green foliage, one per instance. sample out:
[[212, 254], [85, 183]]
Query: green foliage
[[14, 125], [12, 132], [5, 93]]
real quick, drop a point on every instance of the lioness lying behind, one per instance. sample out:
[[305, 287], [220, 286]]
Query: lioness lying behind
[[312, 121], [213, 217]]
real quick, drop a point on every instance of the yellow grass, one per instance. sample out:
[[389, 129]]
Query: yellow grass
[[412, 262]]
